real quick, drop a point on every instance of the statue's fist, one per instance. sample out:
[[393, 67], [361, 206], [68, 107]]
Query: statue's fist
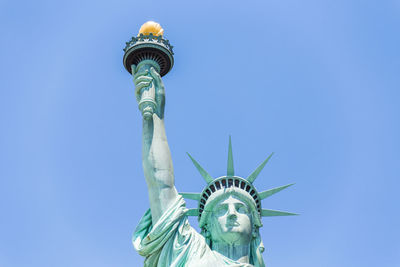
[[149, 92], [142, 82]]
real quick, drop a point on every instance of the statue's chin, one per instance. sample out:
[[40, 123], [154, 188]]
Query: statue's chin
[[233, 236]]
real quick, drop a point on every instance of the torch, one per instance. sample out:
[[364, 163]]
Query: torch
[[148, 49]]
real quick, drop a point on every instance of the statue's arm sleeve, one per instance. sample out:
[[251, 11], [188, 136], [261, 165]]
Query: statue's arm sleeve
[[171, 241]]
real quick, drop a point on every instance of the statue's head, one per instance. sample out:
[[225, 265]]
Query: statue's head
[[231, 222], [230, 210], [230, 214], [230, 217]]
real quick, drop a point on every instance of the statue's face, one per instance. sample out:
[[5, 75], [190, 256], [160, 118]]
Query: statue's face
[[231, 222]]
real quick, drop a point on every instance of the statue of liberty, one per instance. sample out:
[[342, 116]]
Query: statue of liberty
[[229, 210]]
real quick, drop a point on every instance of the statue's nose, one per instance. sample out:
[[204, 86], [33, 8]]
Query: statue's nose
[[232, 214]]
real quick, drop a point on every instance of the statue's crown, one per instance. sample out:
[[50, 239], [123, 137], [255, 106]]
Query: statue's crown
[[230, 183]]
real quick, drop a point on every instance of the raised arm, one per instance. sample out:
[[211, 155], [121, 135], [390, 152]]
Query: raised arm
[[157, 162]]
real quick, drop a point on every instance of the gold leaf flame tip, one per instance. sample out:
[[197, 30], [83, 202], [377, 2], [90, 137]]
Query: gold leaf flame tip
[[151, 27]]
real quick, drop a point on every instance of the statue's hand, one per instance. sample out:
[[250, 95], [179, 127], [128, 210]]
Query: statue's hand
[[150, 83]]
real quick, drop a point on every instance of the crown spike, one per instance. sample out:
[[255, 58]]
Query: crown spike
[[270, 192], [230, 170], [194, 196], [252, 177], [203, 172], [192, 212], [269, 213]]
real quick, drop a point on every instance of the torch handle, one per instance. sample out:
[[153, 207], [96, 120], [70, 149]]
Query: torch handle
[[147, 103]]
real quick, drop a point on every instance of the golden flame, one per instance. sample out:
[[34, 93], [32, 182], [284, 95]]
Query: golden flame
[[151, 27]]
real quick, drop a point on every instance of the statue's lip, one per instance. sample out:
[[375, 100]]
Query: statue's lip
[[232, 224]]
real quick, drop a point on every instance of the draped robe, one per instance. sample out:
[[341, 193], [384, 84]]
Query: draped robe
[[172, 242]]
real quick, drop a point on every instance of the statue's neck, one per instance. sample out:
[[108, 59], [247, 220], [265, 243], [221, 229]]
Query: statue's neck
[[238, 253]]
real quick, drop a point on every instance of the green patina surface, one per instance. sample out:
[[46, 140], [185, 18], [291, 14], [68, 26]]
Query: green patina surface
[[229, 207]]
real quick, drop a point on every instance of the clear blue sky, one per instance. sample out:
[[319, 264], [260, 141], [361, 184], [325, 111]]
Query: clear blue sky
[[316, 82]]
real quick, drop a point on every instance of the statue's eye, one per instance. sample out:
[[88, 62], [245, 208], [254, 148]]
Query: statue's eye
[[221, 210], [241, 208]]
